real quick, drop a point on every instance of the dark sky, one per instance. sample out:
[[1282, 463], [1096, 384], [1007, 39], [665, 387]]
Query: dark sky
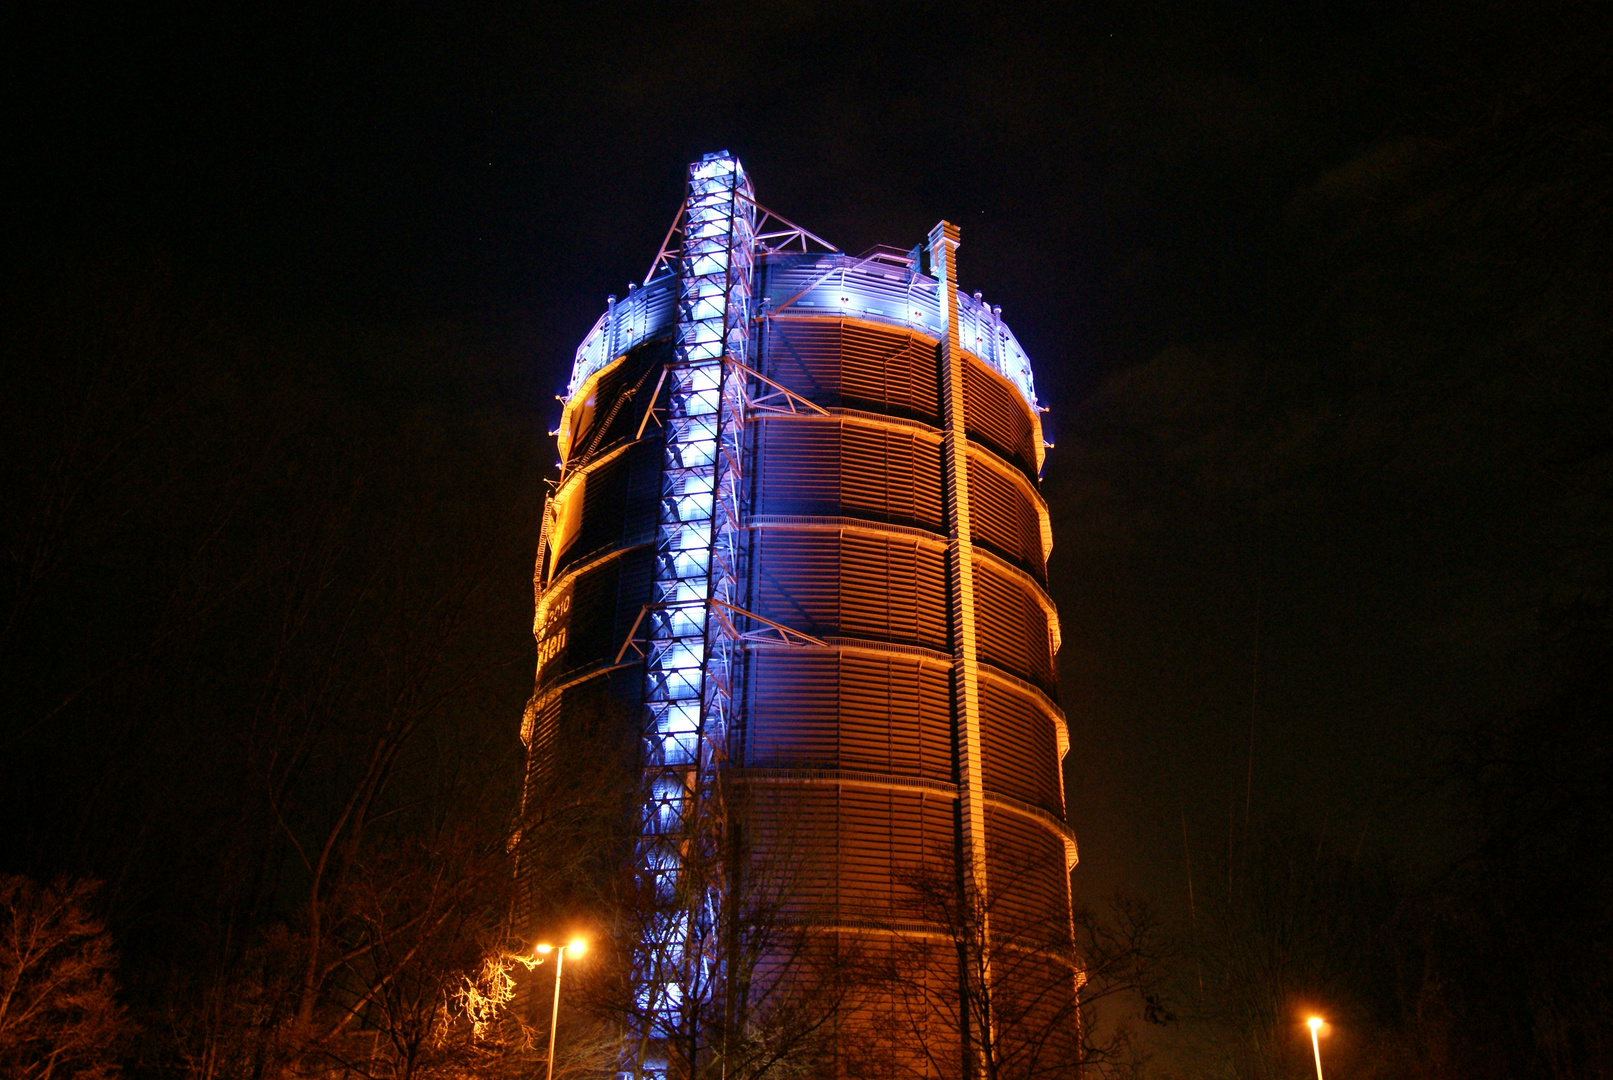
[[1317, 296]]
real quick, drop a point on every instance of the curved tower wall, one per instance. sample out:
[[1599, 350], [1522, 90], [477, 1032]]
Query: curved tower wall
[[903, 735]]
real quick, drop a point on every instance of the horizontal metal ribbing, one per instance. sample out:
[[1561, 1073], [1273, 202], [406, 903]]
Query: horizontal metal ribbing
[[892, 782], [576, 570], [860, 526], [927, 340], [930, 539], [838, 777], [917, 336], [1003, 566], [883, 421], [598, 461], [977, 451], [583, 674], [1008, 680], [929, 932], [972, 361]]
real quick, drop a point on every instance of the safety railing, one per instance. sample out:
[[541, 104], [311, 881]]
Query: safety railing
[[824, 285]]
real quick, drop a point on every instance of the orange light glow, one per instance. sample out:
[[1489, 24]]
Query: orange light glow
[[545, 950], [1316, 1023], [578, 946]]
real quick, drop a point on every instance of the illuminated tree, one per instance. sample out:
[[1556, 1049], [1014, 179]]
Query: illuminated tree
[[58, 1013]]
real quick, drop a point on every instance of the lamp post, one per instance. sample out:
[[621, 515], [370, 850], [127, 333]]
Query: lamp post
[[577, 946], [1315, 1024]]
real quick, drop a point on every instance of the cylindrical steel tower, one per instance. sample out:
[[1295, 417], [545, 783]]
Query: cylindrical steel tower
[[798, 542]]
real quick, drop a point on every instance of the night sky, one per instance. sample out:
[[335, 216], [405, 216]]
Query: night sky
[[1318, 297]]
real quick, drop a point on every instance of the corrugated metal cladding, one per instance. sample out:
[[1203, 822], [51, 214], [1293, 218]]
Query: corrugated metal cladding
[[823, 466], [1006, 516], [850, 849], [829, 581], [848, 767], [857, 742], [843, 363], [1022, 754], [996, 415], [870, 712], [912, 1028], [597, 712], [855, 466]]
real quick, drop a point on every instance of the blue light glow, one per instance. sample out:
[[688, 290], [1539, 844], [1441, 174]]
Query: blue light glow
[[688, 655], [863, 293]]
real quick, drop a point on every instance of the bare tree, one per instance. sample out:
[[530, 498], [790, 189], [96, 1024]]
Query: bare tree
[[988, 991], [792, 986], [773, 986], [1127, 960], [1299, 926], [1011, 1009], [373, 819], [58, 1013]]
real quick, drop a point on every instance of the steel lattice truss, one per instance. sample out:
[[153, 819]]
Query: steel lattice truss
[[690, 653]]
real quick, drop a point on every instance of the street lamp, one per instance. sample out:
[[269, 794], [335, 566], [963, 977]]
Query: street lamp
[[1315, 1024], [576, 946]]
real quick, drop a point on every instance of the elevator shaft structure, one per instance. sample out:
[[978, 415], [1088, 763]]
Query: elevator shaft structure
[[689, 661], [798, 554]]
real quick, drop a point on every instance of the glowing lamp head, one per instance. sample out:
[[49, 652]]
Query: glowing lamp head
[[545, 950], [1315, 1023], [577, 946]]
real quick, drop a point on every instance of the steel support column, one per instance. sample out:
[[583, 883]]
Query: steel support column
[[943, 245]]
